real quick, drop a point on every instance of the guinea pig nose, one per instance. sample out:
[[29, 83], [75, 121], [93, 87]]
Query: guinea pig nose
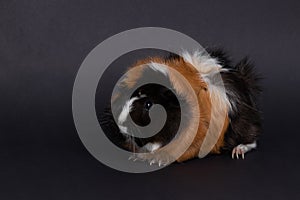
[[148, 104]]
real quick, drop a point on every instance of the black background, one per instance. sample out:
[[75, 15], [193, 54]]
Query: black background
[[42, 44]]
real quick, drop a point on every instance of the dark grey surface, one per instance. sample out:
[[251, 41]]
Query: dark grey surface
[[42, 44]]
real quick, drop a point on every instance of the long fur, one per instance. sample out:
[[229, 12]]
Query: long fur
[[242, 89], [239, 101]]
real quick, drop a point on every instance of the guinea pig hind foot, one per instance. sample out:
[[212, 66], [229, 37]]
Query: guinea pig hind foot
[[241, 149]]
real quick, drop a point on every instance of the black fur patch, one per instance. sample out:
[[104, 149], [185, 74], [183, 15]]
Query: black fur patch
[[242, 88]]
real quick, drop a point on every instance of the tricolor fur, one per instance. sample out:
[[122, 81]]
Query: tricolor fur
[[237, 102]]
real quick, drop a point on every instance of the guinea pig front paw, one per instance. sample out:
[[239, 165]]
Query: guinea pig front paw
[[135, 157], [161, 159]]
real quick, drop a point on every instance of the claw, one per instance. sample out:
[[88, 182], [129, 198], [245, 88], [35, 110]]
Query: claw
[[159, 163], [130, 158], [238, 151], [152, 162], [237, 154], [242, 149]]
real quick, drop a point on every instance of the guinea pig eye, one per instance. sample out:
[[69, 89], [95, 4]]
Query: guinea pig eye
[[148, 105]]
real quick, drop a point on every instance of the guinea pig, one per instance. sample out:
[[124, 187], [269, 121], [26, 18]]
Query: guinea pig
[[235, 109]]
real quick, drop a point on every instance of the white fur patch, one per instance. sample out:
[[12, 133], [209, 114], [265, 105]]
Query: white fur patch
[[202, 62], [159, 68], [152, 146], [123, 129], [252, 145], [125, 111], [209, 69]]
